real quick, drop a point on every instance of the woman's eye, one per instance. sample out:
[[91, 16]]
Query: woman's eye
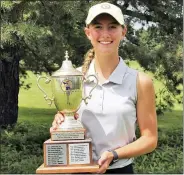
[[112, 27], [98, 27]]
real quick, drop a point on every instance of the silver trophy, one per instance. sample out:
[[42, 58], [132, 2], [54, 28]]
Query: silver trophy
[[68, 151], [67, 88]]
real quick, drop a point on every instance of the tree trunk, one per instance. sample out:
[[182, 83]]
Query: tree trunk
[[9, 89]]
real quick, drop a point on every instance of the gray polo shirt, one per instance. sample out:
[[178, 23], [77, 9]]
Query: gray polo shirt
[[110, 115]]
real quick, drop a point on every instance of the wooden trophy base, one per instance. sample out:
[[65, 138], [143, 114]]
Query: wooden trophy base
[[68, 156], [67, 169]]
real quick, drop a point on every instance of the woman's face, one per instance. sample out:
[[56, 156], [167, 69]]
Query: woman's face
[[105, 34]]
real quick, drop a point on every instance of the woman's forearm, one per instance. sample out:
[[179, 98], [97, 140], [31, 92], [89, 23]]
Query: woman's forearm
[[141, 146]]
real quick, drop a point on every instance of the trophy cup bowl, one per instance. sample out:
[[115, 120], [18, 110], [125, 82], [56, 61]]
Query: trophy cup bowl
[[67, 92]]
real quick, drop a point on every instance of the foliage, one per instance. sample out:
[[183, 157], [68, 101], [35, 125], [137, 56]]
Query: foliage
[[167, 158], [22, 150], [157, 46], [161, 55], [39, 33]]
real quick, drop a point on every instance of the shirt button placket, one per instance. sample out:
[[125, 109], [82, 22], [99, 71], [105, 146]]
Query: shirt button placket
[[101, 99]]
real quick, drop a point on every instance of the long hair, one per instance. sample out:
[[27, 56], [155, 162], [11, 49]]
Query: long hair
[[89, 56]]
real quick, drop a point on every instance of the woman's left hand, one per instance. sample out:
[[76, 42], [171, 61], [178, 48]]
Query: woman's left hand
[[104, 161]]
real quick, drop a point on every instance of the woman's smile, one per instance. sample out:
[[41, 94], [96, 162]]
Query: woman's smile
[[105, 42]]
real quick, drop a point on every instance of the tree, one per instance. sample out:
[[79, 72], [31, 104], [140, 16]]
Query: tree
[[158, 48], [16, 36], [162, 56], [9, 74], [35, 35]]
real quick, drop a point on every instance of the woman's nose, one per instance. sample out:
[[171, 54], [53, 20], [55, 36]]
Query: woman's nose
[[106, 32]]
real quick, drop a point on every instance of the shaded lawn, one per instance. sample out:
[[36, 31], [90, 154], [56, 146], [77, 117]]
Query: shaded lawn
[[170, 119], [36, 115]]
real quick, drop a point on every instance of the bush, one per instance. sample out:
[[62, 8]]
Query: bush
[[168, 156], [22, 148], [22, 151]]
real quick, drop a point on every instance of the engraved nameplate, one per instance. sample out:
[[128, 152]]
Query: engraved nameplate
[[56, 154], [79, 153], [67, 135]]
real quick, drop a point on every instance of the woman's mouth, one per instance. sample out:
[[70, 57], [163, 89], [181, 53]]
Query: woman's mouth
[[105, 42]]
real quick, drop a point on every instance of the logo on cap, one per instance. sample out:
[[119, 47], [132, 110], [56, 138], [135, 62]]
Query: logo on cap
[[105, 6]]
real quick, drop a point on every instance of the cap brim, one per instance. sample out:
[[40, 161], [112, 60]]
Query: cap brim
[[90, 19]]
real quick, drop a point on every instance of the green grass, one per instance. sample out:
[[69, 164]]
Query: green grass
[[33, 98], [32, 105], [171, 120], [22, 150]]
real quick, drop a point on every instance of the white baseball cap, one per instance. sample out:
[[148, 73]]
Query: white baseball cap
[[105, 7]]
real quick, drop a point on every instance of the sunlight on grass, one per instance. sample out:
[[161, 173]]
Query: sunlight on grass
[[32, 105], [34, 98]]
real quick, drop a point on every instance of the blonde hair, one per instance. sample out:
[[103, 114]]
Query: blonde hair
[[89, 56]]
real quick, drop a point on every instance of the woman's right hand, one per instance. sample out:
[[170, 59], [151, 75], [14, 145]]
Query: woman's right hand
[[58, 120]]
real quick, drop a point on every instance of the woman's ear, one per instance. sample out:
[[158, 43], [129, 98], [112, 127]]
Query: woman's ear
[[124, 31], [87, 32]]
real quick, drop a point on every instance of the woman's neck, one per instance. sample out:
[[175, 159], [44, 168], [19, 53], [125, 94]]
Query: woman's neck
[[105, 65]]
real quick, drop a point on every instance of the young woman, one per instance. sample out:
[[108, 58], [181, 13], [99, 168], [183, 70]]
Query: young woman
[[122, 98]]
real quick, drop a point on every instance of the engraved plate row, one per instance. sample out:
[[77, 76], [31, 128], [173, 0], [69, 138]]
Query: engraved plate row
[[67, 154]]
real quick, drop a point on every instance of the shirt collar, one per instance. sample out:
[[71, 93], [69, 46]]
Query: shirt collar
[[116, 76], [119, 72]]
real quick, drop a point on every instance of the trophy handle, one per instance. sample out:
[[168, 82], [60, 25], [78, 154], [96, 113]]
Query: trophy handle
[[90, 93], [47, 81]]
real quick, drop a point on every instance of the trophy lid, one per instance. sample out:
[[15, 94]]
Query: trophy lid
[[67, 68]]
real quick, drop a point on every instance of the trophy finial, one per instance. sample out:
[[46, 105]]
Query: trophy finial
[[66, 55]]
